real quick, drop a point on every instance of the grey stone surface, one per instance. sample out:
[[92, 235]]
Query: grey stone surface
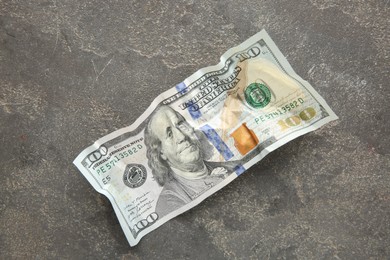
[[72, 71]]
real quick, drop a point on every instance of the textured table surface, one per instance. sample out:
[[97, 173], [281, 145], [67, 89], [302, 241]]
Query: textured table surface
[[72, 71]]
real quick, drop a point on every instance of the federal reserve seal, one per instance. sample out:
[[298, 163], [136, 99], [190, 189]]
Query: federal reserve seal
[[257, 95], [135, 175]]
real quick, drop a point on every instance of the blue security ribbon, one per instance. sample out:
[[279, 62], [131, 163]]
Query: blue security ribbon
[[218, 143], [239, 169]]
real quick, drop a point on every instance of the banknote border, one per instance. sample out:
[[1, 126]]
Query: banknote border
[[284, 64]]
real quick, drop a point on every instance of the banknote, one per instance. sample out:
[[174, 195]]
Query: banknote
[[201, 134]]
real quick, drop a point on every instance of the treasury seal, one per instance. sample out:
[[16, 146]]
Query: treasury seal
[[257, 95], [135, 175]]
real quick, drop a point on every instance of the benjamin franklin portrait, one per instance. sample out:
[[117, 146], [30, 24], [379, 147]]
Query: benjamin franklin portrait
[[177, 155]]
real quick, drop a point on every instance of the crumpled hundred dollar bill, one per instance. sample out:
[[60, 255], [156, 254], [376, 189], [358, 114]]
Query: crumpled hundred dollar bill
[[200, 135]]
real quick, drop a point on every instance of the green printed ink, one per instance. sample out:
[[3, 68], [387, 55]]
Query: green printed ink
[[257, 95]]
